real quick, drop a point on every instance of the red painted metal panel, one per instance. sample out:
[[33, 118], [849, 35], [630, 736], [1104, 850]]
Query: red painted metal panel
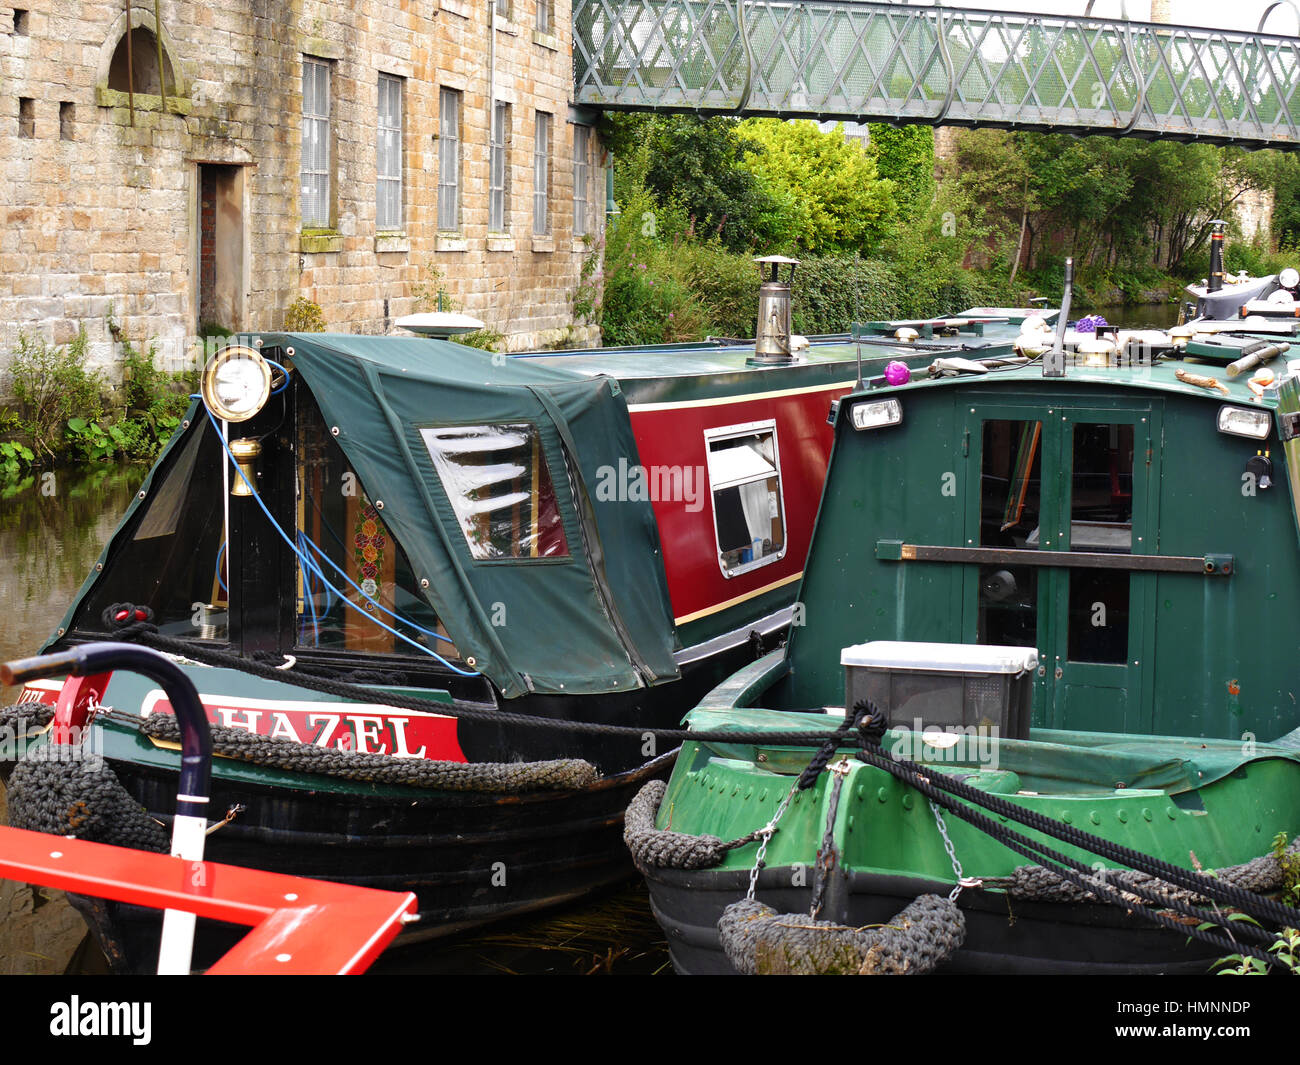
[[674, 437], [300, 926]]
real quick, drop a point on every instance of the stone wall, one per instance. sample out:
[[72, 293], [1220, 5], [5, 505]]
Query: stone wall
[[100, 202]]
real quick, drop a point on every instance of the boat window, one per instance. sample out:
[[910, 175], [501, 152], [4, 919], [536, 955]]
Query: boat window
[[1010, 483], [748, 510], [338, 521], [1098, 626], [499, 485], [1101, 489], [1101, 520], [174, 562]]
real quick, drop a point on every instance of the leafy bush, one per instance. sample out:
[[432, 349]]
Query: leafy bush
[[304, 316], [51, 384]]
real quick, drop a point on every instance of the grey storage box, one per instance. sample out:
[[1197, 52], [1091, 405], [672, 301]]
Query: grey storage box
[[948, 685]]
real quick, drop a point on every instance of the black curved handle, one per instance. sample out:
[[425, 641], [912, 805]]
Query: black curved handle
[[196, 740]]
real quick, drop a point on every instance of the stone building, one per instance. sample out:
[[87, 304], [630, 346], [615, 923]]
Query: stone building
[[207, 172]]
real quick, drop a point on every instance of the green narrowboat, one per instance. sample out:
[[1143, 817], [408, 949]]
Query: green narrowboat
[[1072, 587]]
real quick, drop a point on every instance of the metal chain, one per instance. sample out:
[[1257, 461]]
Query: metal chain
[[765, 834], [952, 853]]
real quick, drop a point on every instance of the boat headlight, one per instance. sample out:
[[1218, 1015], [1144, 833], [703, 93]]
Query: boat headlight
[[878, 414], [236, 383], [1242, 421]]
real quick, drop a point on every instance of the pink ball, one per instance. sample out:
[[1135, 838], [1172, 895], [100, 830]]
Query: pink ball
[[897, 373]]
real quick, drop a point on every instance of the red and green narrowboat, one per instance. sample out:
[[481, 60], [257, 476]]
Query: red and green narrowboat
[[595, 536]]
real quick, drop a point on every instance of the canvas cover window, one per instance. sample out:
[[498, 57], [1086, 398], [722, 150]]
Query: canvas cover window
[[499, 484]]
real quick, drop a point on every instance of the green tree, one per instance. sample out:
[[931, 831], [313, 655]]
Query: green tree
[[839, 201], [696, 166]]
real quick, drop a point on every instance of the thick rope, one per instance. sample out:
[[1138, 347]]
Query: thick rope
[[759, 941], [58, 790], [564, 774], [661, 849], [146, 633], [1259, 875]]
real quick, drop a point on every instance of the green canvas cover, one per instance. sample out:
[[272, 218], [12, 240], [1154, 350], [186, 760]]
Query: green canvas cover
[[596, 619]]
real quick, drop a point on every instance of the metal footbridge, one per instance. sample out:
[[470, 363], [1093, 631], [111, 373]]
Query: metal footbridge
[[841, 59]]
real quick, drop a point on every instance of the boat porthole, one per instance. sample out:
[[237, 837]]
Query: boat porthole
[[851, 819], [907, 802], [1146, 814], [424, 582], [882, 795], [1094, 817], [1173, 814], [1066, 818], [1123, 817]]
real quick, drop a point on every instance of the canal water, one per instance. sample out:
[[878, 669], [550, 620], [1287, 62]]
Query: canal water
[[52, 528]]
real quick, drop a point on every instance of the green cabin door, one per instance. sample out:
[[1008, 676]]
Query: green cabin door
[[1076, 479]]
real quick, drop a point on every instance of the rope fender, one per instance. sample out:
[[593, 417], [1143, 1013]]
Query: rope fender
[[759, 941], [60, 791], [563, 774], [1261, 875], [660, 849]]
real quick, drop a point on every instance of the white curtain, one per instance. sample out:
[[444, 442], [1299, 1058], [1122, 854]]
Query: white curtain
[[753, 499]]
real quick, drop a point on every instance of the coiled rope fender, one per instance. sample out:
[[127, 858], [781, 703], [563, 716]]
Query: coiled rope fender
[[759, 941], [62, 791], [563, 774], [1259, 875], [661, 849]]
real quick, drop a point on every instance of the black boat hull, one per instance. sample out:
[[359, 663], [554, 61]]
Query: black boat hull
[[1003, 935], [470, 858]]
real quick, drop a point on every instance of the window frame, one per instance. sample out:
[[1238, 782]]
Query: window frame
[[499, 169], [532, 429], [735, 432], [542, 173], [321, 125], [396, 87], [449, 158], [581, 180]]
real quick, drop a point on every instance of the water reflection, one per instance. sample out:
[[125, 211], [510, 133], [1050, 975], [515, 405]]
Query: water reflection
[[53, 525]]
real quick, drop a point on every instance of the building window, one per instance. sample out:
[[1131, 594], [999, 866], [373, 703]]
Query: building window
[[388, 154], [449, 161], [581, 168], [745, 480], [134, 66], [498, 173], [20, 22], [26, 116], [542, 175], [503, 9], [67, 121], [543, 16], [315, 143]]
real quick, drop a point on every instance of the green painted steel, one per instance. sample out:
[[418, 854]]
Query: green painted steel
[[1209, 656], [1168, 797], [907, 63]]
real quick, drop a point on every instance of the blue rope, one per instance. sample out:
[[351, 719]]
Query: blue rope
[[303, 559]]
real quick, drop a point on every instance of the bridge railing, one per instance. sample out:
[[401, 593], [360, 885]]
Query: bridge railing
[[897, 62]]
